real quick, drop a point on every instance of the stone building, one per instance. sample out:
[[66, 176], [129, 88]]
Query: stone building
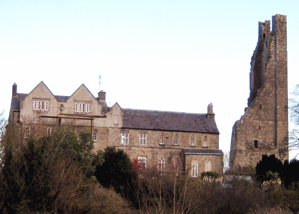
[[263, 129], [170, 141]]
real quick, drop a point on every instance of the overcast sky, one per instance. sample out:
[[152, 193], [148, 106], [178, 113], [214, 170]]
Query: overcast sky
[[157, 54]]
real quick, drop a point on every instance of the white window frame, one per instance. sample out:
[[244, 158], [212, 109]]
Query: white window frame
[[95, 135], [161, 164], [142, 139], [115, 119], [49, 131], [124, 138], [194, 168], [40, 105], [82, 107], [142, 161], [208, 166]]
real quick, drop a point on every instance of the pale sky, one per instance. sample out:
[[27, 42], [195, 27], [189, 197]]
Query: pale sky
[[158, 54]]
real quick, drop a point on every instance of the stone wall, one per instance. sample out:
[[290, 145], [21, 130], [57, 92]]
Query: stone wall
[[263, 129]]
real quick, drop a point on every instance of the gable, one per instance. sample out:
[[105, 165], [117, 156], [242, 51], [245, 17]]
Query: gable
[[41, 91], [82, 93]]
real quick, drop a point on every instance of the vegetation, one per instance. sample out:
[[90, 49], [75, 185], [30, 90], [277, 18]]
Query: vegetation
[[61, 174], [294, 112], [52, 174]]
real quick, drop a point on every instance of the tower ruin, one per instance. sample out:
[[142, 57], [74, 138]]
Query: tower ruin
[[263, 129]]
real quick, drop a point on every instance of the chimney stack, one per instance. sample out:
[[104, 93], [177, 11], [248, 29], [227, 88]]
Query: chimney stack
[[102, 96], [14, 90], [210, 113]]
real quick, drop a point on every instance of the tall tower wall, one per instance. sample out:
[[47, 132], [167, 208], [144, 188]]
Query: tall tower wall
[[263, 129]]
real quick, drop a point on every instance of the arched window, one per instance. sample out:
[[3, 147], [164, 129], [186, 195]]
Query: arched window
[[192, 139], [208, 165], [161, 164], [162, 138], [176, 140], [194, 168], [142, 162]]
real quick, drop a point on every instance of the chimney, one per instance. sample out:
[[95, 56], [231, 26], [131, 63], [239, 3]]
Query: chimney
[[210, 113], [14, 90], [102, 96]]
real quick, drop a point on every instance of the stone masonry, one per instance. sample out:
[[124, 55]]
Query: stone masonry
[[263, 129]]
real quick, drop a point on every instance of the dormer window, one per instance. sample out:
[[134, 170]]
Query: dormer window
[[40, 105], [82, 108], [115, 119]]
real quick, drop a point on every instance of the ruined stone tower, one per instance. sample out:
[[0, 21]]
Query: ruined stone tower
[[263, 129]]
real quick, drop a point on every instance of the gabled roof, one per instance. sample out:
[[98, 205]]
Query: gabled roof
[[84, 88], [168, 121]]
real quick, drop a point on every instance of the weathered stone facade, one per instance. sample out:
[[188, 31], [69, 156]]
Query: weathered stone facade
[[263, 129], [166, 140]]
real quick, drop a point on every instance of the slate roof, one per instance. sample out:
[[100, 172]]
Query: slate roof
[[168, 121], [202, 152], [15, 102]]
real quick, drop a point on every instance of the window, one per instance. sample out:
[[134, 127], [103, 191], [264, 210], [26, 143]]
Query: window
[[40, 105], [82, 107], [27, 132], [176, 140], [205, 142], [115, 119], [192, 139], [161, 164], [194, 168], [125, 138], [142, 162], [95, 135], [162, 139], [49, 131], [142, 138], [256, 144], [208, 166]]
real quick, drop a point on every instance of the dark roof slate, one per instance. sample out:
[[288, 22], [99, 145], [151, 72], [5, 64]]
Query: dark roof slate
[[15, 102], [168, 121]]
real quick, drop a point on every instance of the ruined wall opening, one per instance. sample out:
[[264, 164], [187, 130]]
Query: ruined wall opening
[[256, 144]]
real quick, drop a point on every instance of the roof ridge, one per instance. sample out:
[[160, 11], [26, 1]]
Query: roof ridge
[[163, 111]]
